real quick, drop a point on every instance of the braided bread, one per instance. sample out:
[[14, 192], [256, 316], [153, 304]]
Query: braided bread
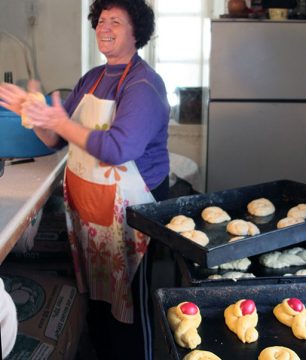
[[291, 312], [184, 319], [278, 259], [181, 223], [239, 264], [201, 355], [241, 318], [288, 221], [234, 275], [197, 236], [215, 215], [289, 257], [261, 207], [298, 211], [278, 353], [242, 227]]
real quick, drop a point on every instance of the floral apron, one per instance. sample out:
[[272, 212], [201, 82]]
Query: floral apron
[[106, 251]]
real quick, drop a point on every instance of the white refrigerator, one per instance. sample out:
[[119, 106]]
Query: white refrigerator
[[255, 109]]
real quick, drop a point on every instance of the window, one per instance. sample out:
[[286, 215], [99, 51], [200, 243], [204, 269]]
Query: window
[[179, 48]]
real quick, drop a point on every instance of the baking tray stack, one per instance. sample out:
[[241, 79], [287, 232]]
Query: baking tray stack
[[284, 194], [267, 289], [194, 275], [215, 335]]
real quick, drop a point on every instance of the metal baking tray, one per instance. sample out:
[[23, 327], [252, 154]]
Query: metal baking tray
[[216, 337], [194, 275], [152, 218]]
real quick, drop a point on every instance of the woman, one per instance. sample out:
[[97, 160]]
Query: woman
[[115, 122]]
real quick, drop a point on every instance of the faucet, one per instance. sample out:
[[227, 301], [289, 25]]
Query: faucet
[[1, 167]]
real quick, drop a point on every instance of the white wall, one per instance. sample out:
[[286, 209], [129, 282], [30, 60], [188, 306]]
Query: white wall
[[57, 38], [51, 31]]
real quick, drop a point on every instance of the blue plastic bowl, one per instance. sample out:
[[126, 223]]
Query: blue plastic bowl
[[17, 141]]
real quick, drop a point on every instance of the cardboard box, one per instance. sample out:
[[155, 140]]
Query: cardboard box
[[51, 314]]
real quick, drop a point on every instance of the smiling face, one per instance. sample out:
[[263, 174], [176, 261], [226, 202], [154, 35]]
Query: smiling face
[[115, 37]]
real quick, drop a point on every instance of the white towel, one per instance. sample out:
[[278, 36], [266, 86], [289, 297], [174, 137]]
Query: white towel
[[8, 321]]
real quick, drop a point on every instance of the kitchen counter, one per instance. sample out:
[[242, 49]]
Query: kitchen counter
[[186, 140], [24, 189], [189, 140]]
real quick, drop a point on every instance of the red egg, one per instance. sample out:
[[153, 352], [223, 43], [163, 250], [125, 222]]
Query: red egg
[[296, 304], [247, 307], [189, 308]]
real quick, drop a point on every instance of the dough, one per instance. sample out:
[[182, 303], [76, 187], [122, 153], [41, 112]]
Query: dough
[[291, 312], [237, 227], [215, 215], [298, 211], [184, 324], [235, 238], [278, 352], [197, 236], [261, 207], [242, 227], [279, 259], [240, 264], [288, 221], [181, 223], [301, 272], [25, 121], [201, 355], [232, 275], [242, 318]]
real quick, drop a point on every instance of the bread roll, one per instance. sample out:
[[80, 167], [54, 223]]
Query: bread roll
[[25, 121]]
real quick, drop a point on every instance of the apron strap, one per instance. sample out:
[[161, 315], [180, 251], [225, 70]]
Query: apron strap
[[123, 76], [126, 70], [93, 88]]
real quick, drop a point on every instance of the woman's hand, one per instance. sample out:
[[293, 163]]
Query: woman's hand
[[44, 116], [12, 97], [52, 122]]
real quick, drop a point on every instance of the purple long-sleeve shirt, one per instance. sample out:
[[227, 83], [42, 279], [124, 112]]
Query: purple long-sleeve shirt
[[139, 131]]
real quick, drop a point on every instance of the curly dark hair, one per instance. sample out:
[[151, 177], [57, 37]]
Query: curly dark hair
[[141, 14]]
